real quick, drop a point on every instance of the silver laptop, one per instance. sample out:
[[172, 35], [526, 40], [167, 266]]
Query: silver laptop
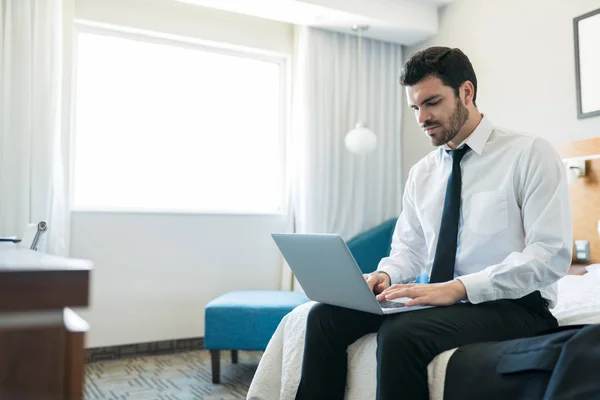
[[329, 274]]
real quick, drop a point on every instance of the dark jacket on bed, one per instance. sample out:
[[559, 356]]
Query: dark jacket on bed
[[562, 365]]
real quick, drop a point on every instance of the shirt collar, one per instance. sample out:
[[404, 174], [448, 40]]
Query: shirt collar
[[478, 139]]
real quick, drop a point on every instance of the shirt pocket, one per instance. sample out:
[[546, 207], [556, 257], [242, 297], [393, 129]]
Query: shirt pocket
[[487, 212]]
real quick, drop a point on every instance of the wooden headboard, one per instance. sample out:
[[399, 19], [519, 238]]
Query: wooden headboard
[[585, 194]]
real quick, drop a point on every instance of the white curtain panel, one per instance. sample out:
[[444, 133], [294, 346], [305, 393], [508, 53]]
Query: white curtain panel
[[333, 190], [337, 191], [32, 158]]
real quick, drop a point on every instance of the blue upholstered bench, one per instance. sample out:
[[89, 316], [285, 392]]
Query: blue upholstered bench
[[246, 320]]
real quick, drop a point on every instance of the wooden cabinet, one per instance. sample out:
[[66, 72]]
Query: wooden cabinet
[[41, 339]]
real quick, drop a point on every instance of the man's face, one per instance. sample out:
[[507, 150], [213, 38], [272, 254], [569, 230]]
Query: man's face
[[438, 111]]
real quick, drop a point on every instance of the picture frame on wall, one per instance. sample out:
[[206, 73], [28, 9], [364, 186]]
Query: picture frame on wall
[[587, 63]]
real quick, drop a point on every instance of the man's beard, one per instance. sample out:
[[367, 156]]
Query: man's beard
[[457, 120]]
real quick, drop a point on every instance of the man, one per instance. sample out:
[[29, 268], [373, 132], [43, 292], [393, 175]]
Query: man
[[486, 215]]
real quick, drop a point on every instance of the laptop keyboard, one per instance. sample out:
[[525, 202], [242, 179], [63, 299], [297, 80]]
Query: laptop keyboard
[[391, 304]]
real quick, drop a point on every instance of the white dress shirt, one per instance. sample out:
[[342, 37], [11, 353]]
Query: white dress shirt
[[515, 230]]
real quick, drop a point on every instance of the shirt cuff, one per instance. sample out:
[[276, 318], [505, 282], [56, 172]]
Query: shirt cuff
[[478, 286]]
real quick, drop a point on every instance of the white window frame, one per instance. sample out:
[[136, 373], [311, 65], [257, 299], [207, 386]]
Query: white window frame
[[283, 60]]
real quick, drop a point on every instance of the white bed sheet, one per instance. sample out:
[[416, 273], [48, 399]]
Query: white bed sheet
[[278, 373]]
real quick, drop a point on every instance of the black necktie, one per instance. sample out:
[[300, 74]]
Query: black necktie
[[445, 252]]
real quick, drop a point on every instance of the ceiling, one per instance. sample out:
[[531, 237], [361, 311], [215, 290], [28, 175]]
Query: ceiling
[[399, 21]]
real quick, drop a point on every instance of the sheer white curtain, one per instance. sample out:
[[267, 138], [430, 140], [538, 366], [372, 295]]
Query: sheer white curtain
[[333, 190], [33, 160]]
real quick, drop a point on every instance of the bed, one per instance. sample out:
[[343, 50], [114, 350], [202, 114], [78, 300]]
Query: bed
[[278, 373]]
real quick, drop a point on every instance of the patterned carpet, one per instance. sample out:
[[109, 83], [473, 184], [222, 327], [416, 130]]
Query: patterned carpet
[[181, 376]]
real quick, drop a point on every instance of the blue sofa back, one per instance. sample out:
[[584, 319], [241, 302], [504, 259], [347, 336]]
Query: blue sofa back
[[369, 247]]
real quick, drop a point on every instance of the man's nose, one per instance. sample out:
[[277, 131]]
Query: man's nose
[[422, 116]]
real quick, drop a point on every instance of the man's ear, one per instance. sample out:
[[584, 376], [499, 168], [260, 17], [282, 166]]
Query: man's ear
[[468, 91]]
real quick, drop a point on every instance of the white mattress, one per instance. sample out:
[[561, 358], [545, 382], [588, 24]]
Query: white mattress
[[578, 300], [278, 373]]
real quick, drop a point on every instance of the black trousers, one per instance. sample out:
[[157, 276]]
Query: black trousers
[[407, 342]]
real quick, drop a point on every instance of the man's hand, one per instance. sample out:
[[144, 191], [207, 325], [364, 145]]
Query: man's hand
[[377, 281], [431, 294]]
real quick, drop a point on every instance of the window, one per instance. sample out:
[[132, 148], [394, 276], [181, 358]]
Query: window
[[163, 125]]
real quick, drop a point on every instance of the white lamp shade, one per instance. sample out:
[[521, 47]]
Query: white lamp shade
[[360, 140]]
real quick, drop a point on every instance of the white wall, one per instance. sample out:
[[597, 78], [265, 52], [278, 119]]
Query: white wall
[[523, 54], [154, 273]]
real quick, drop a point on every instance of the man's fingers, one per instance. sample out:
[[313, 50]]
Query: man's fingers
[[397, 291], [397, 294], [390, 294], [380, 288], [421, 294], [372, 280], [403, 286], [419, 301]]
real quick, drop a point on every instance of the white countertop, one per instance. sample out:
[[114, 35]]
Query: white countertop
[[29, 260]]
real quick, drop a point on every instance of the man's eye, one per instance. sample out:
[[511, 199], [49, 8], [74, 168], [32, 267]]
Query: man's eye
[[433, 103]]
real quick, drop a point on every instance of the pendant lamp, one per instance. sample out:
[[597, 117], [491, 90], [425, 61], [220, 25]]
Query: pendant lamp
[[360, 140]]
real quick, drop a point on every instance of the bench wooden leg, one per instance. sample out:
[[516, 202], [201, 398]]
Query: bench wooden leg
[[215, 356], [234, 356]]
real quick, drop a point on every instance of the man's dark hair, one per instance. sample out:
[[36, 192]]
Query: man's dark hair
[[451, 66]]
